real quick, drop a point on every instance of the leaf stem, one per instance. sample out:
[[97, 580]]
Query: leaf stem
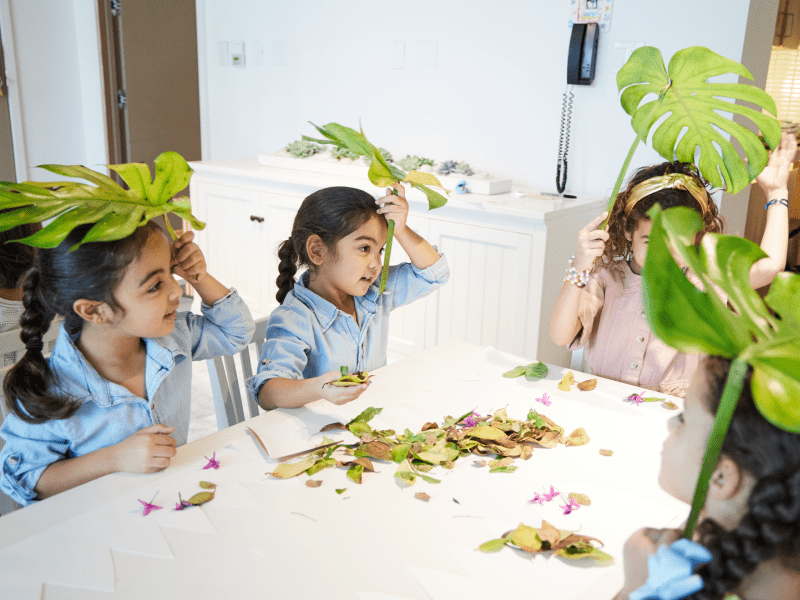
[[730, 398], [618, 184], [172, 233], [387, 254]]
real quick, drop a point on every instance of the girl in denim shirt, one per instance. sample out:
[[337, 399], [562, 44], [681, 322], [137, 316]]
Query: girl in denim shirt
[[332, 316], [115, 393]]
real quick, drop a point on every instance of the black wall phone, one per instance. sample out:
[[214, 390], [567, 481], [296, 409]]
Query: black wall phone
[[581, 61]]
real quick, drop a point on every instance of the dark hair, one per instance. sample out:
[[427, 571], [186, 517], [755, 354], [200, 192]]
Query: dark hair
[[57, 279], [618, 246], [771, 527], [331, 213], [15, 258]]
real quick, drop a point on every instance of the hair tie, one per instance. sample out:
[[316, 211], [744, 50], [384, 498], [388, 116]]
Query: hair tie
[[35, 343], [679, 181]]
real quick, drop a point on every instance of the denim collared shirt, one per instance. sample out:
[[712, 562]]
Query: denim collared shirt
[[109, 413], [308, 336]]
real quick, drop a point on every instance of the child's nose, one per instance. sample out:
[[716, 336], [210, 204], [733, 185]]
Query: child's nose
[[175, 290]]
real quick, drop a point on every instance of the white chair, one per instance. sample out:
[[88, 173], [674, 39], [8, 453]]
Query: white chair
[[11, 344], [226, 386], [6, 504]]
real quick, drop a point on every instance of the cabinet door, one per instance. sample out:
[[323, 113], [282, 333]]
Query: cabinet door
[[486, 300], [230, 239]]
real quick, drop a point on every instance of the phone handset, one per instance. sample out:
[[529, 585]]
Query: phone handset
[[581, 62]]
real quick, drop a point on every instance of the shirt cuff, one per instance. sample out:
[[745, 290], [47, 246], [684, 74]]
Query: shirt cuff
[[438, 272], [226, 298], [20, 486]]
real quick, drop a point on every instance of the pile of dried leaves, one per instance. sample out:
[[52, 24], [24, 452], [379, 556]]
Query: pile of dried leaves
[[547, 538], [436, 445]]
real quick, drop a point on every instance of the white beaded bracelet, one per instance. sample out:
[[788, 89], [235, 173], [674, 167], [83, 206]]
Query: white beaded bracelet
[[575, 278]]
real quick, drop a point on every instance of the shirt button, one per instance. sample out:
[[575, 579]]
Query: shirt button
[[640, 338], [13, 460], [643, 316], [634, 365]]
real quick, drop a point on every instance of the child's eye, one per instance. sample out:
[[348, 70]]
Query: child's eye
[[382, 249], [155, 287], [364, 248]]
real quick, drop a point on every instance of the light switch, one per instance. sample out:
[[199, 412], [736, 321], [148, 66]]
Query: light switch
[[425, 56], [398, 58], [237, 54], [623, 51], [222, 54]]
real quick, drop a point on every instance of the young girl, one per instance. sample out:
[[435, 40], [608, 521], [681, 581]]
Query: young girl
[[600, 304], [332, 316], [115, 393], [751, 519]]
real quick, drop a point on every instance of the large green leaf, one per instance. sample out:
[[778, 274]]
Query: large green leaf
[[115, 211], [694, 110]]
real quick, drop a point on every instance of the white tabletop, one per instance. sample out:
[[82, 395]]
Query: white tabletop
[[263, 537]]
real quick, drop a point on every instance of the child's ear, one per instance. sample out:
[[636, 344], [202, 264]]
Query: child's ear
[[316, 249], [92, 311], [726, 481], [628, 236]]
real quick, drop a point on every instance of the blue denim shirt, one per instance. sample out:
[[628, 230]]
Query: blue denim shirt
[[308, 336], [109, 413]]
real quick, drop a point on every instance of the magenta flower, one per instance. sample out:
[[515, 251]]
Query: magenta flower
[[471, 420], [570, 506], [181, 504], [544, 399], [637, 398], [551, 494], [148, 506], [212, 462], [537, 498]]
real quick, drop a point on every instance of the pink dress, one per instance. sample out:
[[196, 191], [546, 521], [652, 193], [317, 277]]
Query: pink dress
[[619, 342]]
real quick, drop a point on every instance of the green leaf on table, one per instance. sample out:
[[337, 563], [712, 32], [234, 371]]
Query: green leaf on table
[[358, 428], [695, 112], [341, 490], [492, 545], [289, 470], [366, 415], [400, 452], [115, 211], [536, 371], [355, 473], [201, 498], [207, 485], [405, 473], [515, 372], [322, 463]]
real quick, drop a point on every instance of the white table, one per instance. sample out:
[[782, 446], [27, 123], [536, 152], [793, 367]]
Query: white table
[[267, 538]]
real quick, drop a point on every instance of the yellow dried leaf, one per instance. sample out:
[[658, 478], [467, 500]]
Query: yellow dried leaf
[[313, 483], [588, 385], [581, 499], [669, 405], [207, 485], [548, 533], [527, 451], [605, 452], [566, 381], [289, 470], [579, 437], [422, 496]]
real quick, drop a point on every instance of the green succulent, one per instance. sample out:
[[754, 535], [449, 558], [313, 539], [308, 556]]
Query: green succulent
[[340, 153], [302, 149]]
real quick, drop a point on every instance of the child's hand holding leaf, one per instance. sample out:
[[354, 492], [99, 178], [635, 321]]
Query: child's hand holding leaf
[[187, 258], [395, 207], [591, 244], [339, 394]]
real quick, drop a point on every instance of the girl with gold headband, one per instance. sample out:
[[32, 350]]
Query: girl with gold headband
[[600, 304]]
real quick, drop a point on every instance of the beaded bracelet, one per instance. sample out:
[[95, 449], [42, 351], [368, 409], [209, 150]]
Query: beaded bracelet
[[783, 201], [575, 278]]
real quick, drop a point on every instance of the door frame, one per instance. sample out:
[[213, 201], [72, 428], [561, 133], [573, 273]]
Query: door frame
[[14, 97]]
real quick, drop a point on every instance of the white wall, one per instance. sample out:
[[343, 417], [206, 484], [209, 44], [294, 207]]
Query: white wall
[[59, 118], [494, 99]]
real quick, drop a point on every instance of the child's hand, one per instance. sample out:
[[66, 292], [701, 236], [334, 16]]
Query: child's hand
[[591, 244], [638, 548], [146, 451], [339, 395], [187, 258], [774, 179], [395, 207]]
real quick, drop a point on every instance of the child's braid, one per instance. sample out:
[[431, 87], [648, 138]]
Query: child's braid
[[286, 269]]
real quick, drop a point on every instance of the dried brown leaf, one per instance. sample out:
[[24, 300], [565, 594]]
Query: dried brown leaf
[[549, 439], [588, 385], [313, 483], [527, 451], [605, 452], [332, 426], [579, 437], [480, 463], [581, 499], [429, 426], [377, 449], [422, 496], [548, 533]]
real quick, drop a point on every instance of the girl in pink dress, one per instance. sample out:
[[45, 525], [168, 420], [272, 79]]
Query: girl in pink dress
[[600, 304]]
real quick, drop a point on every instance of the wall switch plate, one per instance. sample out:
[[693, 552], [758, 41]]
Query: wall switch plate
[[425, 56], [222, 54], [237, 54], [398, 55], [623, 51]]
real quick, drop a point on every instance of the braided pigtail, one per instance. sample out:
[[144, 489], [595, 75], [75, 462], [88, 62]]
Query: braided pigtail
[[286, 269], [26, 387], [771, 527]]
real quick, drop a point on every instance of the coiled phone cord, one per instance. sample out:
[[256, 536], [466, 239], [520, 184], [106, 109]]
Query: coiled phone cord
[[563, 142]]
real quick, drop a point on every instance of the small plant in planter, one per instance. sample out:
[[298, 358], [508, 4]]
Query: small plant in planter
[[381, 174], [115, 211]]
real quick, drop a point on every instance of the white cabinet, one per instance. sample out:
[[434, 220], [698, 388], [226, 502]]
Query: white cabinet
[[507, 255]]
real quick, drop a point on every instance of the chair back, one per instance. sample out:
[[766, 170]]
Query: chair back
[[12, 348], [6, 503], [228, 388]]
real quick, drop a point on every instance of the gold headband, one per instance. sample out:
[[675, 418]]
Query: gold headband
[[674, 181]]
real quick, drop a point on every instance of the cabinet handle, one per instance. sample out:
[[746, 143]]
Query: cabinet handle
[[258, 219]]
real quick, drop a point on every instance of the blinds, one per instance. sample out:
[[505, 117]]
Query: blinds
[[783, 82]]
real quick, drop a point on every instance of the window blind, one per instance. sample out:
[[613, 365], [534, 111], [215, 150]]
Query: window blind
[[783, 82]]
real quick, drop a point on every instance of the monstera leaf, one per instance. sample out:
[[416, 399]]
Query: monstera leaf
[[693, 106], [115, 211], [381, 174], [693, 320]]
